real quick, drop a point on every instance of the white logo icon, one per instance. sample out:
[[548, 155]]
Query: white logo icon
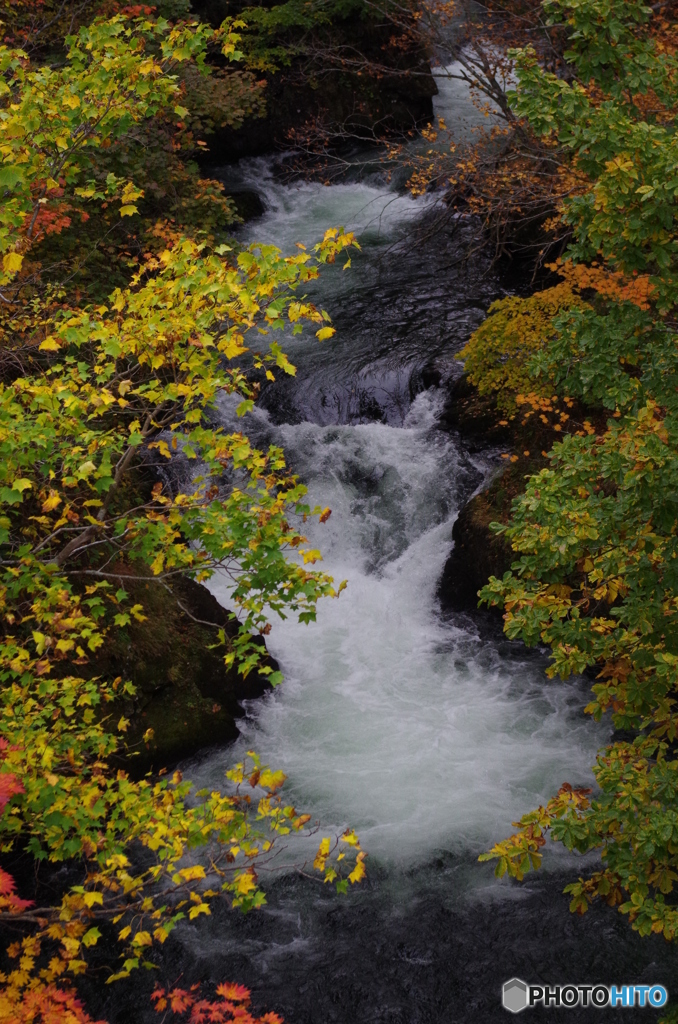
[[514, 995]]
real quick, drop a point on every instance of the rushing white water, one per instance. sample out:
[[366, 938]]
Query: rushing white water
[[408, 727], [299, 212], [404, 724], [302, 210], [461, 111]]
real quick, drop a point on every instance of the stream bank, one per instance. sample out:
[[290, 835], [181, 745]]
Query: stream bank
[[520, 448], [361, 79], [184, 692]]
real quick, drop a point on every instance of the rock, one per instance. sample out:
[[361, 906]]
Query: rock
[[185, 693], [474, 416], [248, 204], [478, 553]]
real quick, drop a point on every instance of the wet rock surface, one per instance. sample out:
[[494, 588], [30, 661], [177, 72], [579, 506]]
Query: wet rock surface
[[478, 553], [185, 693]]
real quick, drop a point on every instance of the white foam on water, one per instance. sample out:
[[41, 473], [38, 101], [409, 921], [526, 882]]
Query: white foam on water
[[405, 726], [303, 210]]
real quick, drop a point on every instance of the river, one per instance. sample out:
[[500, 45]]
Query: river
[[427, 733]]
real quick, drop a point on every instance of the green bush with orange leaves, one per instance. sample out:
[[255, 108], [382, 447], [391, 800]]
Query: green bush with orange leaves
[[595, 534]]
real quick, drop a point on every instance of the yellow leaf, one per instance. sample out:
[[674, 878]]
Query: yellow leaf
[[201, 908], [231, 347], [322, 855], [190, 874], [325, 332], [359, 870], [11, 262], [142, 939], [128, 211], [245, 883], [70, 944], [93, 897], [162, 447], [49, 345], [51, 502]]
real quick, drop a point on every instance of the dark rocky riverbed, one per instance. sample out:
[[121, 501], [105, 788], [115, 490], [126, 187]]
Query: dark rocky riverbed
[[403, 950]]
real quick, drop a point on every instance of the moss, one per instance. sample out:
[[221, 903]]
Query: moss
[[185, 693]]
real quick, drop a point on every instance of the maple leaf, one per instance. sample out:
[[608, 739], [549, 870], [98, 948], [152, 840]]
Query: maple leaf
[[8, 898], [158, 997], [7, 883], [9, 786], [180, 1000], [235, 993], [212, 1013]]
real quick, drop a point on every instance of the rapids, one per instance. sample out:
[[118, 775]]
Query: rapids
[[428, 734], [415, 730]]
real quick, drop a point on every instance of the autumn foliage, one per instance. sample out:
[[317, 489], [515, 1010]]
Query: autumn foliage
[[126, 312], [595, 532], [231, 1006], [48, 1004]]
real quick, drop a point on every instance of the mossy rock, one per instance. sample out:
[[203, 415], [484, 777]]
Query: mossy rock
[[184, 692]]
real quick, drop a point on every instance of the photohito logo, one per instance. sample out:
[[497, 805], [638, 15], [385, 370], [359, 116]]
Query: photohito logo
[[517, 995]]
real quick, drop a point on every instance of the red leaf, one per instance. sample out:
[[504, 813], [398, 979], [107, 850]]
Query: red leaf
[[7, 883], [8, 898], [205, 1012], [236, 993], [9, 787], [50, 1005], [180, 1000], [158, 996]]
